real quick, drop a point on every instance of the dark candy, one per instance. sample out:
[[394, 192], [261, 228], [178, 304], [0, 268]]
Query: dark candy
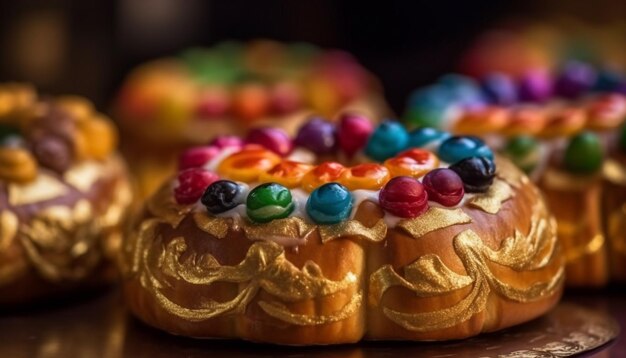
[[477, 173]]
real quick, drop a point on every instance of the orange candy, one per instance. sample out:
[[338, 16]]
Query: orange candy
[[251, 101], [413, 162], [526, 120], [368, 176], [248, 164], [324, 173], [287, 173], [481, 121], [606, 112]]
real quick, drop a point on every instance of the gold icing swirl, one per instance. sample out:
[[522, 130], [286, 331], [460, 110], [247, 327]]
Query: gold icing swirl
[[264, 267], [491, 201], [614, 172], [428, 276], [434, 219], [508, 172], [8, 228], [355, 228], [291, 227], [56, 231], [44, 187], [214, 226], [82, 176], [163, 206]]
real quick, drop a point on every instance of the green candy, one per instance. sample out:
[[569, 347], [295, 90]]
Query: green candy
[[268, 202], [524, 152], [584, 154], [7, 132]]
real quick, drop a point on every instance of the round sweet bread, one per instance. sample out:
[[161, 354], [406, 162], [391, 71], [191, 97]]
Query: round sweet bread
[[369, 233], [563, 130], [63, 195]]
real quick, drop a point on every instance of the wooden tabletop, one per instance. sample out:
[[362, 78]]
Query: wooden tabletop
[[99, 326]]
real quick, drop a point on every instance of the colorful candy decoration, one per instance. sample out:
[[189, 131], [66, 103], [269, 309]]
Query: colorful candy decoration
[[227, 141], [388, 139], [331, 203], [288, 173], [535, 86], [584, 154], [404, 197], [500, 89], [330, 183], [197, 156], [222, 196], [324, 173], [455, 149], [575, 78], [524, 151], [413, 162], [477, 173], [274, 139], [248, 164], [268, 202], [425, 136], [191, 185], [317, 135], [353, 133], [444, 186], [368, 176]]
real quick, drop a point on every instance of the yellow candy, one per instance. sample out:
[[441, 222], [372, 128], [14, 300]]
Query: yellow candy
[[287, 173], [79, 107], [96, 138], [17, 165], [248, 164], [367, 176]]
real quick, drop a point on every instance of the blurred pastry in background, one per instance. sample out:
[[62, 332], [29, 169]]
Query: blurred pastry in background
[[169, 104], [64, 193], [560, 127]]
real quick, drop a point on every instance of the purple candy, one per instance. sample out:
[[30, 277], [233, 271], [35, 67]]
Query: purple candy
[[274, 139], [224, 141], [575, 78], [535, 86], [317, 135], [500, 89]]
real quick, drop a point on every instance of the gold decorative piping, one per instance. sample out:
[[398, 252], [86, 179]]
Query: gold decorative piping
[[434, 219], [428, 276]]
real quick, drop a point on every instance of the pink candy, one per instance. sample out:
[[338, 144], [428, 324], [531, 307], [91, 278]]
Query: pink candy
[[191, 185], [274, 139], [197, 156], [353, 132]]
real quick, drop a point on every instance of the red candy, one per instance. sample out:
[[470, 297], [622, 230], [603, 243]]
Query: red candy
[[191, 185], [273, 139], [353, 132], [404, 197], [444, 186], [197, 156], [212, 103]]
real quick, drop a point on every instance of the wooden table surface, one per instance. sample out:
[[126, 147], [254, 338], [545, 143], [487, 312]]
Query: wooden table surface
[[99, 326]]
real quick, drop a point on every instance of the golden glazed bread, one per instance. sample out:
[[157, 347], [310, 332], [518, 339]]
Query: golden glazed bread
[[63, 196], [451, 273]]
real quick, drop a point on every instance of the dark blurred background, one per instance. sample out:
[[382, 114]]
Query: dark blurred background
[[87, 47]]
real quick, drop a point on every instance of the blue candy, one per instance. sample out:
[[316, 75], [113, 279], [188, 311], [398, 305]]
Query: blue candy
[[455, 149], [423, 136], [500, 89], [608, 80], [331, 203], [388, 139], [463, 90]]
